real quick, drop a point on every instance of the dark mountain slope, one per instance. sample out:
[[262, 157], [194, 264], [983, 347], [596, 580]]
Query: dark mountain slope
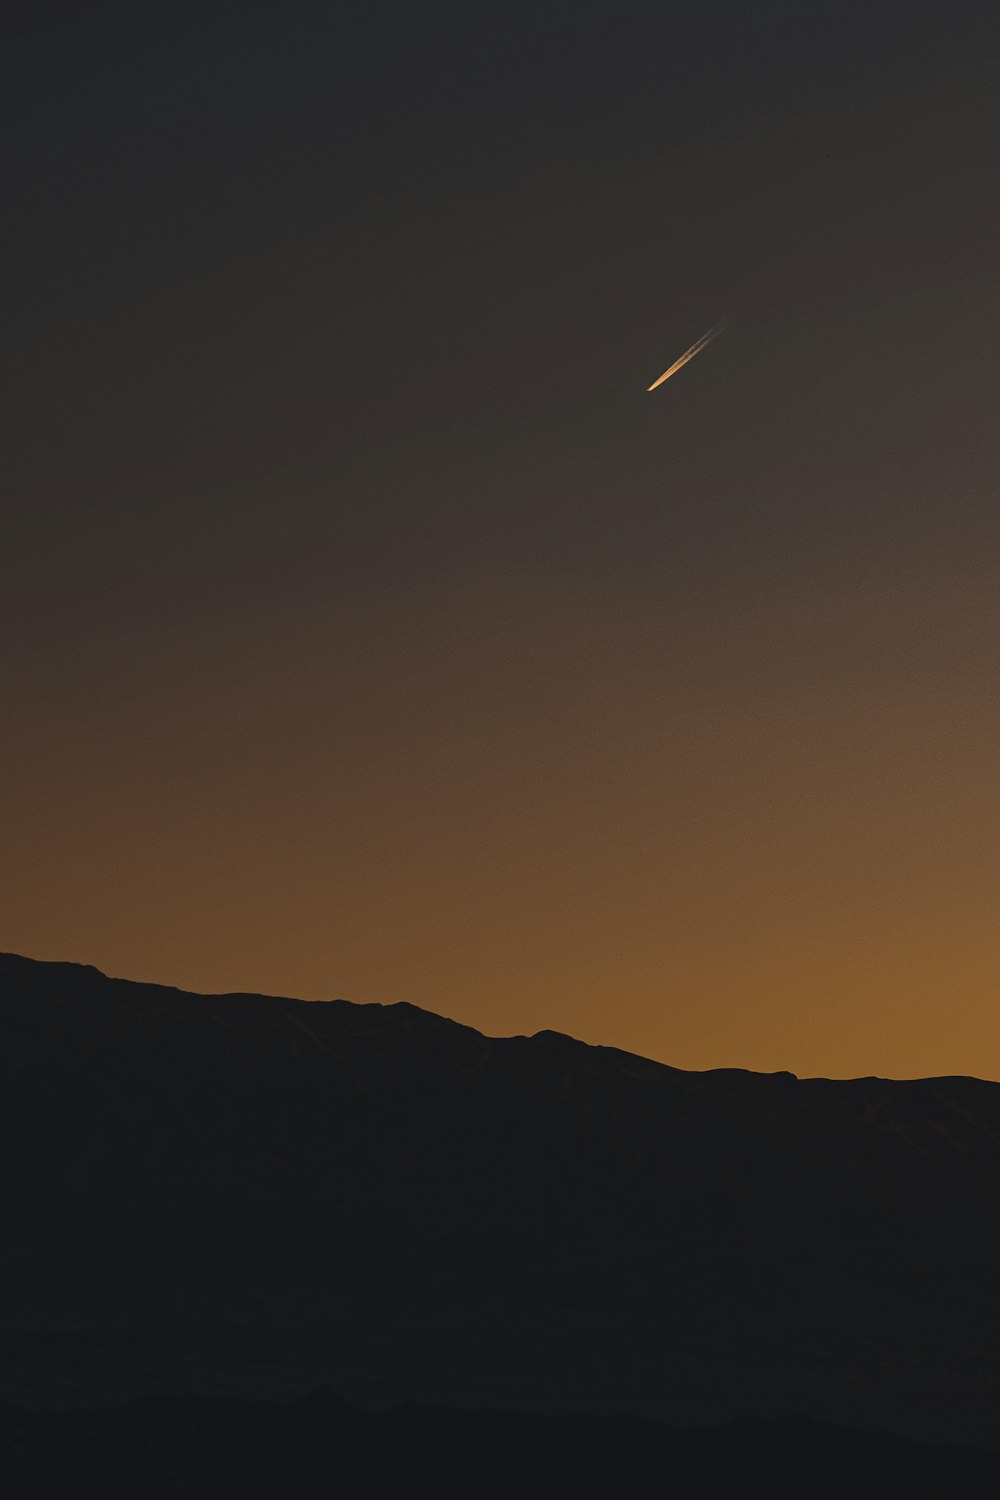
[[254, 1196]]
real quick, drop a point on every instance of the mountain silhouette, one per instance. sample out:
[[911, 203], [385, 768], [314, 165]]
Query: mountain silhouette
[[351, 1215]]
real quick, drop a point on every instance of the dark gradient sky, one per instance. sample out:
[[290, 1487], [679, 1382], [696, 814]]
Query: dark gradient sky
[[369, 631]]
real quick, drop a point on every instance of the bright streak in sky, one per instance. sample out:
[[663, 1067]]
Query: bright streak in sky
[[695, 348]]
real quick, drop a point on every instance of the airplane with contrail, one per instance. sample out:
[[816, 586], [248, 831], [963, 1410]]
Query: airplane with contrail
[[695, 348]]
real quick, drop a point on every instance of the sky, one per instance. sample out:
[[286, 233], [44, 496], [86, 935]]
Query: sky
[[368, 629]]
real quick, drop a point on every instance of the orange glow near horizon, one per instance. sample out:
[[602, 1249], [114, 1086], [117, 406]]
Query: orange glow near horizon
[[727, 828]]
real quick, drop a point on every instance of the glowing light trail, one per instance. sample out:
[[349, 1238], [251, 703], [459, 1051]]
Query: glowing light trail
[[696, 348]]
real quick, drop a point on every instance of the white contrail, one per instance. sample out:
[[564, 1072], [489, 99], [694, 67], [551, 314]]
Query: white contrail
[[678, 364]]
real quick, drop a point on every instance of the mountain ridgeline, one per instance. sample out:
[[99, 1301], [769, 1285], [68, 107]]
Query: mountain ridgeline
[[241, 1196]]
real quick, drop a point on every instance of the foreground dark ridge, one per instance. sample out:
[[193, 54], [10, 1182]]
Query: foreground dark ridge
[[249, 1196], [322, 1445]]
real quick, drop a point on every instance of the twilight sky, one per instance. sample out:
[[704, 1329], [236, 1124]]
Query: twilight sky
[[368, 630]]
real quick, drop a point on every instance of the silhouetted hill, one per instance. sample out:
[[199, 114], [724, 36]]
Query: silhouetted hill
[[247, 1197]]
